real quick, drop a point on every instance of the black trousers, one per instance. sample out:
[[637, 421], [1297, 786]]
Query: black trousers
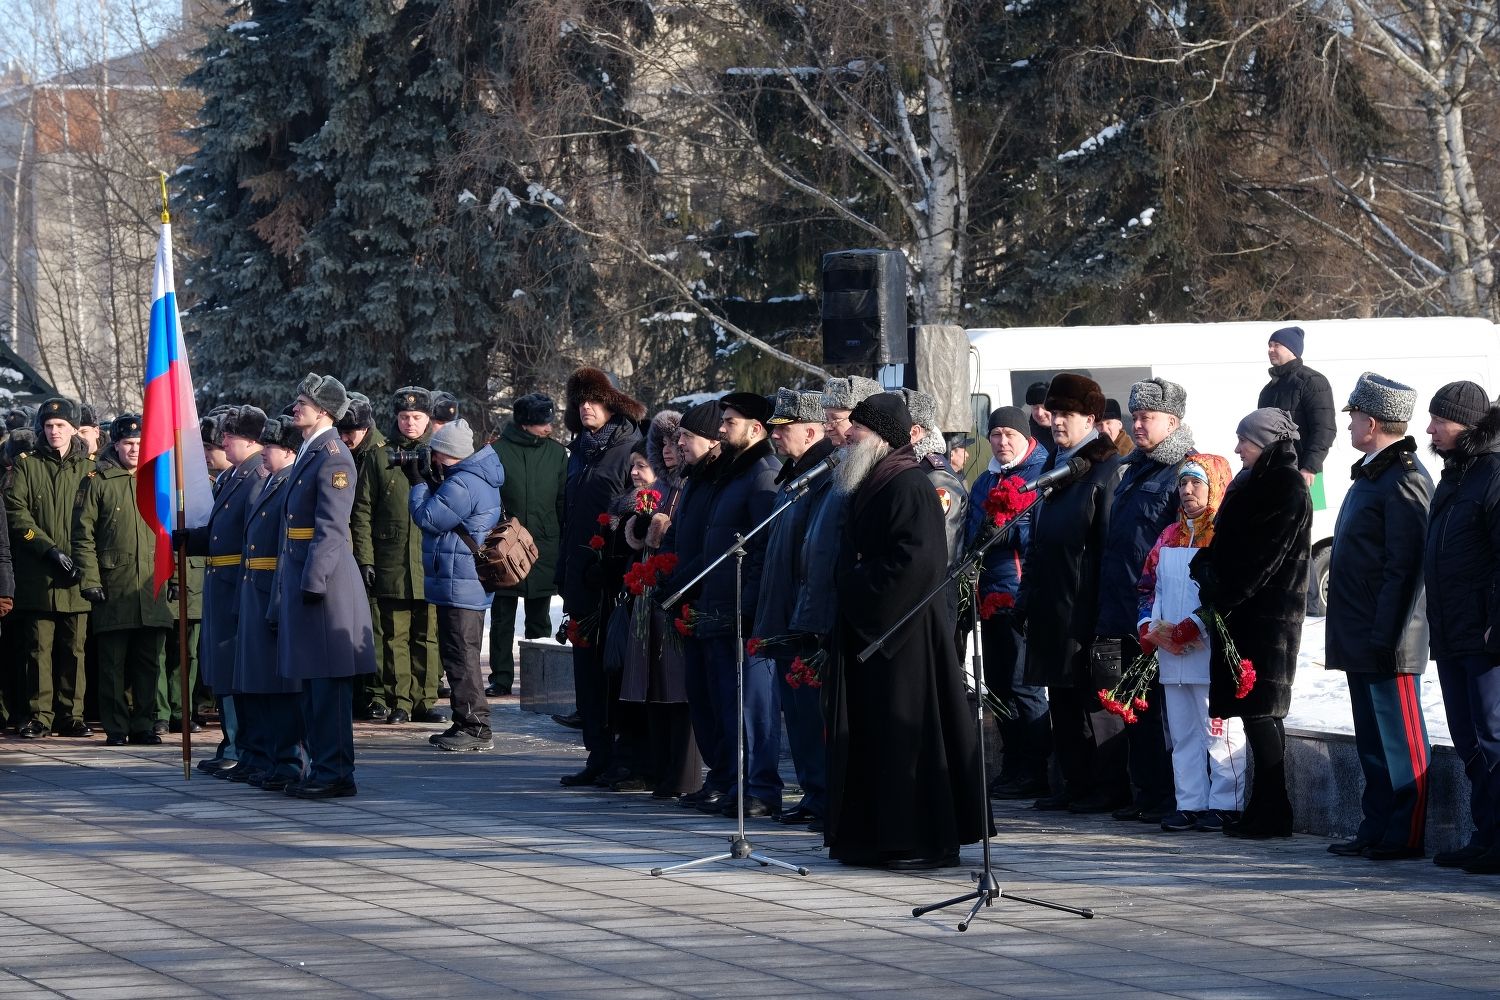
[[1088, 743], [1146, 744], [328, 721], [460, 633], [1026, 735]]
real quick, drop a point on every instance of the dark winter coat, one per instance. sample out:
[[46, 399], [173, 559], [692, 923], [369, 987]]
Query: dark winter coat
[[1254, 572], [1306, 395], [1144, 504], [747, 488], [784, 574], [1462, 561], [1377, 618], [256, 652], [817, 601], [598, 470], [1001, 573], [468, 497], [689, 525], [115, 550], [222, 542], [331, 637], [536, 478], [381, 527], [903, 751], [1059, 595], [7, 572], [39, 506]]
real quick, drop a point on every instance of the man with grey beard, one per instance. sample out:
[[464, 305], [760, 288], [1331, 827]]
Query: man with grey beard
[[904, 788]]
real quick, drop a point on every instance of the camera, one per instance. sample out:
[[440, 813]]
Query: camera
[[419, 457]]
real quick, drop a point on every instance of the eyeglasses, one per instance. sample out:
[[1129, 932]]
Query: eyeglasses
[[836, 422]]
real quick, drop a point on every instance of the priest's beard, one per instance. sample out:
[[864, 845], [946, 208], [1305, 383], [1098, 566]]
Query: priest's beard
[[859, 461]]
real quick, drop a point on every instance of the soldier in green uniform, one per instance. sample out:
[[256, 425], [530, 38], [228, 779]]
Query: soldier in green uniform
[[39, 504], [116, 554], [358, 432], [536, 477], [388, 549]]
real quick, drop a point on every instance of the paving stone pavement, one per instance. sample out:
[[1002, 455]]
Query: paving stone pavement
[[476, 875]]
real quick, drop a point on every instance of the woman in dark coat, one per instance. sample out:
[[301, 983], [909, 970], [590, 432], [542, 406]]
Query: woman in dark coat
[[1254, 573]]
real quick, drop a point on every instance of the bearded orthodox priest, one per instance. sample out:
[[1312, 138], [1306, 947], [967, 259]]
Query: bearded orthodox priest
[[903, 752]]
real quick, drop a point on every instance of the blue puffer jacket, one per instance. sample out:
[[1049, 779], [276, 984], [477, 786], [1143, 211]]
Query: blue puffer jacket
[[1001, 573], [468, 496]]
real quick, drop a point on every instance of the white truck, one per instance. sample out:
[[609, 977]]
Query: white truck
[[1223, 367]]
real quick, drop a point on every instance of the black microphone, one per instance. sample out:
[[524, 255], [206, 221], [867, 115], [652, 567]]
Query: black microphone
[[1077, 466], [802, 482]]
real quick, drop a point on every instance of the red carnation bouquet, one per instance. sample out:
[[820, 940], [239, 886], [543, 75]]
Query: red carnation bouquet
[[993, 604], [1240, 668], [647, 500], [1006, 501], [806, 671]]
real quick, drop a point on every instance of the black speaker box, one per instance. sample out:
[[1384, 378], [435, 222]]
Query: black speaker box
[[864, 308]]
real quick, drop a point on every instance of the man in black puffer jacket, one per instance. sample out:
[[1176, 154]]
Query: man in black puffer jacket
[[1462, 573], [1303, 393], [604, 422]]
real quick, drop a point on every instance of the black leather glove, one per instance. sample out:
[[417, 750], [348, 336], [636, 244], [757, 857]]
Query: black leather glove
[[311, 597], [593, 576], [434, 474], [63, 562], [368, 573], [173, 591], [179, 539], [94, 595], [412, 472]]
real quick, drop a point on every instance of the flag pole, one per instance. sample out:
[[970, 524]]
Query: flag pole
[[183, 627]]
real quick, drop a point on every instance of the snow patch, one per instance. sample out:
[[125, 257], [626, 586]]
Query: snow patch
[[240, 26], [799, 297], [539, 193], [650, 160], [9, 375], [519, 293], [467, 197], [503, 193], [669, 317], [1094, 142], [566, 28], [746, 234]]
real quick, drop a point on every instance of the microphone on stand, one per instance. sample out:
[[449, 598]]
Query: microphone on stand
[[802, 482], [1077, 466]]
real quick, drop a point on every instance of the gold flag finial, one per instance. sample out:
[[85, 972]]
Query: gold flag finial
[[166, 217]]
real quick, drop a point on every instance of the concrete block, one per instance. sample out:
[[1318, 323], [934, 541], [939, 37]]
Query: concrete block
[[546, 677]]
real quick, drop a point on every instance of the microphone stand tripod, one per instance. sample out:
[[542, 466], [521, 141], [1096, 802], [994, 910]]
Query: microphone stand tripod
[[988, 888], [740, 848]]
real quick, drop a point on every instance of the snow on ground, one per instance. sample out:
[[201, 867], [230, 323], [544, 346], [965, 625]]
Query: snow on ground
[[1320, 697]]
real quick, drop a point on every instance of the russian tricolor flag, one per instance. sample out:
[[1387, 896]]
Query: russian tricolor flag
[[170, 442]]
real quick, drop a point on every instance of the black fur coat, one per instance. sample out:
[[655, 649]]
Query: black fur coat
[[1254, 572]]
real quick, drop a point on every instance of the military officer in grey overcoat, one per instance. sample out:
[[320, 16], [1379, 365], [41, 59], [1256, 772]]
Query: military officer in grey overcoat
[[322, 618], [222, 541], [270, 704]]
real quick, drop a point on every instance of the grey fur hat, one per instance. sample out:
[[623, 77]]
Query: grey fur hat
[[797, 406], [280, 432], [847, 393], [444, 406], [1382, 398], [358, 416], [243, 421], [412, 397], [1159, 396], [326, 392], [922, 407]]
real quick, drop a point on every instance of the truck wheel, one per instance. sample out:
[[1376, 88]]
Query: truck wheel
[[1317, 582]]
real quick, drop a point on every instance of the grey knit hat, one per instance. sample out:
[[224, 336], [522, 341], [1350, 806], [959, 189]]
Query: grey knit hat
[[1159, 396], [454, 438], [847, 393], [1461, 402], [1382, 398], [326, 392], [797, 406], [1267, 425]]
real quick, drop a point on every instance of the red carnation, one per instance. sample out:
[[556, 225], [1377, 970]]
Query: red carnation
[[1140, 704], [646, 501], [683, 628], [602, 520], [1005, 501], [752, 646], [665, 563], [596, 542]]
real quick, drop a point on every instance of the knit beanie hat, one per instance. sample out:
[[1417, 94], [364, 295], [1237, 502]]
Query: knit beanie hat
[[886, 414], [455, 439], [127, 425], [359, 416], [1010, 416], [1157, 395], [1291, 338], [1112, 410], [412, 397], [58, 408], [1072, 393], [1461, 402], [533, 409], [703, 420], [1266, 426], [326, 392]]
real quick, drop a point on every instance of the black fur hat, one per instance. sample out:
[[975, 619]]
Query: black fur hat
[[359, 416], [280, 432], [58, 408], [127, 425], [412, 397], [594, 385], [444, 406], [87, 417], [533, 409], [16, 419], [245, 422]]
